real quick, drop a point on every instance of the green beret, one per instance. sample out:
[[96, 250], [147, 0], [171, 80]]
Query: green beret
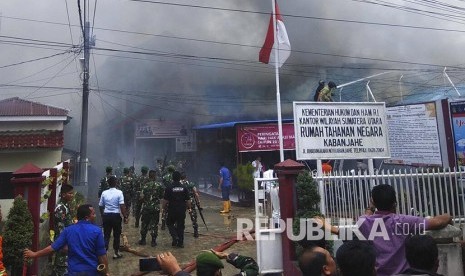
[[171, 168], [108, 169], [144, 169], [126, 170], [208, 263]]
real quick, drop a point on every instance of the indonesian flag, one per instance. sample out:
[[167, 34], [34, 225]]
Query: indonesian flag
[[270, 47]]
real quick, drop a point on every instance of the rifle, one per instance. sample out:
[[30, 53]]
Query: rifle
[[200, 211]]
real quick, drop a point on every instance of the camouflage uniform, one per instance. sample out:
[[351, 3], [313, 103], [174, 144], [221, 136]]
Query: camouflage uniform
[[167, 180], [127, 186], [103, 185], [159, 169], [139, 184], [152, 194], [193, 214], [62, 219]]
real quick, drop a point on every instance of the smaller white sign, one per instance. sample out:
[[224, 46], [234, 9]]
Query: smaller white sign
[[338, 130], [186, 143]]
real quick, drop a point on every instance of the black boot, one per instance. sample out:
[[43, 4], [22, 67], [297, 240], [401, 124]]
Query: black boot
[[154, 241], [196, 232], [174, 243], [142, 241]]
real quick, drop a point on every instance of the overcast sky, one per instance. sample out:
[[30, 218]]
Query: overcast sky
[[198, 60]]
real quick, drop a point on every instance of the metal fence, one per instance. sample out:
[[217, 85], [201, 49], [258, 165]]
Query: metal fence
[[422, 192], [267, 229]]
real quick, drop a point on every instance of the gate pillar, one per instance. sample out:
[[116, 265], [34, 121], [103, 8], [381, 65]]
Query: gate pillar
[[287, 172]]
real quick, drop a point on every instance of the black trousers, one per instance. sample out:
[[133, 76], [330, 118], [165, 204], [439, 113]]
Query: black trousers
[[112, 222], [175, 223]]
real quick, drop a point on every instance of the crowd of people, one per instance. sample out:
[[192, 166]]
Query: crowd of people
[[393, 244], [158, 194], [81, 248]]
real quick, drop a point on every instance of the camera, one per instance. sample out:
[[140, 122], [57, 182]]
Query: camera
[[149, 264]]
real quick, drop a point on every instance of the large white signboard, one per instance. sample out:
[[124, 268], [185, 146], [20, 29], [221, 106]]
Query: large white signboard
[[413, 135], [337, 130]]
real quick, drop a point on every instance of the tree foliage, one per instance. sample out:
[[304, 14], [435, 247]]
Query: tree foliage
[[18, 233], [308, 200], [244, 176], [308, 197]]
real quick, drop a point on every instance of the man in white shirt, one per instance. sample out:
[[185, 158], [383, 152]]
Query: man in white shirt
[[257, 165], [111, 207]]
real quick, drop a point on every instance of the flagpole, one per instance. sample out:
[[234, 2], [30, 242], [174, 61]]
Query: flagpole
[[278, 95]]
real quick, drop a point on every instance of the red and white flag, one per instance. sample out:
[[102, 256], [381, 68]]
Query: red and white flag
[[270, 47]]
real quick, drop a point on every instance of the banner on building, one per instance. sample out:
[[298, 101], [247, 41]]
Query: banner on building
[[457, 112], [337, 130], [264, 137], [155, 128]]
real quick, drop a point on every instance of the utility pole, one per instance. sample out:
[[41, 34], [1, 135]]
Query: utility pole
[[83, 177]]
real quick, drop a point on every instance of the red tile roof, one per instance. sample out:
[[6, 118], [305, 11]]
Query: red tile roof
[[31, 139], [19, 107]]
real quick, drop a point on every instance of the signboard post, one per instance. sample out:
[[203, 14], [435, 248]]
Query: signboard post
[[339, 130]]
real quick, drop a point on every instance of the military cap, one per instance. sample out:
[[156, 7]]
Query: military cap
[[144, 169], [108, 169], [207, 263], [170, 168], [126, 170]]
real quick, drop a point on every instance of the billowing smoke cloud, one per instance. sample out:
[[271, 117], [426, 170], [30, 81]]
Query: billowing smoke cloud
[[179, 61]]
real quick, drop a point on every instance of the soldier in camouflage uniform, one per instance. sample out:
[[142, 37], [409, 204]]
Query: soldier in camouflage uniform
[[127, 186], [194, 195], [103, 185], [159, 168], [138, 186], [167, 180], [151, 196], [62, 219]]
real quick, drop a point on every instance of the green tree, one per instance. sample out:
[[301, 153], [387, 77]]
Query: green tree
[[245, 182], [308, 200], [17, 236]]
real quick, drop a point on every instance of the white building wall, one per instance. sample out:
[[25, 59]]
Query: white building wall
[[11, 161], [31, 125]]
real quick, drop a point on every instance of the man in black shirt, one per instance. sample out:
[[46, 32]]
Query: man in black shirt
[[176, 199]]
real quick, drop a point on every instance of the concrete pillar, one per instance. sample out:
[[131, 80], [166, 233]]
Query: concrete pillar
[[27, 182], [287, 172], [450, 252]]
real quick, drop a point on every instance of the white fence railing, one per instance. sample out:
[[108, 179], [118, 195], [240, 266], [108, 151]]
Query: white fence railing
[[423, 192], [267, 230]]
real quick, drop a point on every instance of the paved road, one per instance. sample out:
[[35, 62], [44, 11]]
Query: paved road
[[222, 228]]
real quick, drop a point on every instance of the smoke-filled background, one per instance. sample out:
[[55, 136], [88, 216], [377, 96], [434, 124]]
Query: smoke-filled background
[[197, 61]]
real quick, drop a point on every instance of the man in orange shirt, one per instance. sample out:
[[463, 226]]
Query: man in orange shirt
[[326, 167]]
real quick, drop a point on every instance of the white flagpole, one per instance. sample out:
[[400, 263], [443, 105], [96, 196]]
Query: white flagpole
[[278, 95]]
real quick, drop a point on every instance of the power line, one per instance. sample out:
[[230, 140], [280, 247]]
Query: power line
[[33, 60], [69, 22], [53, 77]]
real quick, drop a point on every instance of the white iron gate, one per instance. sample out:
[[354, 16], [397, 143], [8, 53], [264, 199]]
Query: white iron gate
[[422, 192]]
